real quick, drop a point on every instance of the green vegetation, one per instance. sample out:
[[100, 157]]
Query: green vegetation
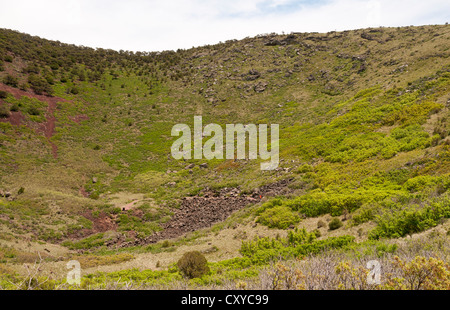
[[10, 80], [412, 219], [278, 217], [363, 140], [335, 223], [193, 264], [298, 243], [86, 243]]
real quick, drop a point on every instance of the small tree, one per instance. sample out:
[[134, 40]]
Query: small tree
[[39, 84], [11, 80], [4, 113], [335, 223], [193, 264], [8, 58]]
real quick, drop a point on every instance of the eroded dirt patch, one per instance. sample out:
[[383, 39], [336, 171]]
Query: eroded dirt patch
[[100, 223], [15, 118], [78, 118], [48, 127]]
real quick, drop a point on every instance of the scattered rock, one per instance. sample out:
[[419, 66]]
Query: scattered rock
[[251, 75], [94, 180], [204, 210], [260, 87], [210, 250], [273, 42], [204, 165]]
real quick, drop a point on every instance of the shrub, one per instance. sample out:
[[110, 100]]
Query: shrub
[[193, 264], [298, 243], [24, 86], [92, 241], [3, 94], [39, 84], [74, 90], [421, 273], [4, 113], [335, 223], [14, 108], [278, 217], [32, 68], [11, 80], [94, 195], [320, 224], [304, 168], [412, 219], [33, 111]]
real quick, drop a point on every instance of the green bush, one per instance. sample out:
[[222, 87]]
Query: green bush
[[4, 112], [92, 241], [193, 264], [39, 84], [335, 223], [261, 251], [11, 80], [411, 220], [278, 217], [3, 94], [304, 168], [74, 90], [14, 108], [33, 111]]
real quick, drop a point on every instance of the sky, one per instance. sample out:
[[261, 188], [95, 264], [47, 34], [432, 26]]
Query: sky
[[150, 25]]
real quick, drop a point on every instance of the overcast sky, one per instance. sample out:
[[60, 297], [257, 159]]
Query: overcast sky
[[150, 25]]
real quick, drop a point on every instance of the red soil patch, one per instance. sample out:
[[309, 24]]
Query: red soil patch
[[83, 192], [15, 118], [101, 223], [48, 127], [78, 118]]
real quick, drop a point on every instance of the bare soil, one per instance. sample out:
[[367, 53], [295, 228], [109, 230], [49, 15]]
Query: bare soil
[[48, 127]]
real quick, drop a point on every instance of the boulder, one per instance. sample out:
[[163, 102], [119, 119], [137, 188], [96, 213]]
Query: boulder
[[190, 166]]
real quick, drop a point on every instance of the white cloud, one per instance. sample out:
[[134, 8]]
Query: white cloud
[[159, 25]]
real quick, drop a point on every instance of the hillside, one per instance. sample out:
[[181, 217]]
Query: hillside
[[86, 170]]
